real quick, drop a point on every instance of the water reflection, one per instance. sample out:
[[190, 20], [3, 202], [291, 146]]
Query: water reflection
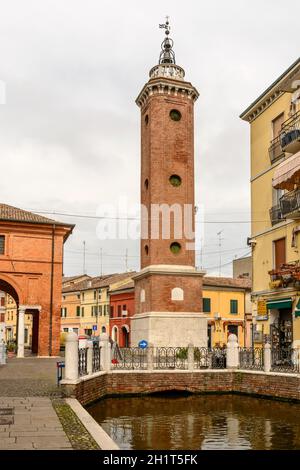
[[199, 422]]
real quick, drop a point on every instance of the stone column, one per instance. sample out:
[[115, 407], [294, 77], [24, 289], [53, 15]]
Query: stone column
[[105, 352], [267, 357], [21, 329], [190, 357], [89, 360], [232, 353], [71, 356], [149, 352]]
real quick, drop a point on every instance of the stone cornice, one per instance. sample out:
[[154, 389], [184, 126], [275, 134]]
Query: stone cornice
[[278, 88], [171, 87], [168, 270]]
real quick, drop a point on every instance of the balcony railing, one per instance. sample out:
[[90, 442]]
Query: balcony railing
[[290, 134], [276, 214], [290, 205], [275, 150]]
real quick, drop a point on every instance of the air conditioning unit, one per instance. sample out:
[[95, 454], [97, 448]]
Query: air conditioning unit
[[217, 316], [124, 313]]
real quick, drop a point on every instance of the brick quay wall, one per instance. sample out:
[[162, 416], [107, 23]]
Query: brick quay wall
[[116, 383]]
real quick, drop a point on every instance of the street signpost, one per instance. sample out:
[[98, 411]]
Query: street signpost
[[143, 344]]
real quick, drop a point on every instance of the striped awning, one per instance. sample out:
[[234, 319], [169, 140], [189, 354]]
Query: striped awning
[[287, 174]]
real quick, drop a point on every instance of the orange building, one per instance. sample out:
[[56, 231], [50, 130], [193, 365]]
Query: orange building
[[31, 266]]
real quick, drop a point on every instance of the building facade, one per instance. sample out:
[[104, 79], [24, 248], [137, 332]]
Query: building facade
[[274, 119], [86, 304], [168, 289], [31, 266], [227, 302], [121, 313]]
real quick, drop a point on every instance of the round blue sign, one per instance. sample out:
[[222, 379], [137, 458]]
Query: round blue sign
[[143, 344]]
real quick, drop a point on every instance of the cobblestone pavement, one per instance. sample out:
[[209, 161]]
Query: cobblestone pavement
[[30, 377], [30, 423]]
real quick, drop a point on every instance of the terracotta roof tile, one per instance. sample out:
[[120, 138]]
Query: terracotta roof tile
[[241, 283], [14, 214]]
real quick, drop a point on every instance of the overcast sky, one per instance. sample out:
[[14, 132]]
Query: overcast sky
[[69, 130]]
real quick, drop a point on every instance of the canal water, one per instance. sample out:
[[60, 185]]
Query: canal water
[[193, 422]]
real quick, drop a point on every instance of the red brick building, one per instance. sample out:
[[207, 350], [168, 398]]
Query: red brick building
[[121, 312], [31, 267], [168, 301]]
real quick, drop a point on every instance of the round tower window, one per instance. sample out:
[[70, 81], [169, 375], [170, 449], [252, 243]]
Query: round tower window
[[175, 248], [146, 249], [175, 115], [146, 183], [146, 119], [175, 180]]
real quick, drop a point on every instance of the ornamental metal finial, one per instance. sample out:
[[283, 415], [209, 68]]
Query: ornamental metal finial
[[167, 55]]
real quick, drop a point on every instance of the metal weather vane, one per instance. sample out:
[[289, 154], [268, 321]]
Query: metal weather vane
[[167, 55]]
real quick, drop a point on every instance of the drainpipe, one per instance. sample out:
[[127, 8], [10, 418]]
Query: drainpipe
[[51, 291]]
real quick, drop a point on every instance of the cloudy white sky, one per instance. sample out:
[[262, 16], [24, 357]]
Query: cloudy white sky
[[69, 129]]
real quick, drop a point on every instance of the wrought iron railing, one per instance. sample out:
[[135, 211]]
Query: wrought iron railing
[[290, 202], [129, 358], [96, 362], [276, 214], [290, 132], [251, 358], [209, 358], [285, 360], [275, 150], [170, 358], [82, 361]]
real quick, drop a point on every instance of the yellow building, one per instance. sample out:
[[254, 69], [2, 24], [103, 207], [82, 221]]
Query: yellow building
[[85, 303], [227, 302], [10, 320], [274, 119]]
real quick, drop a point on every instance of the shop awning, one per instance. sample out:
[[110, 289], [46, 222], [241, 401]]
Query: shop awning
[[287, 174], [279, 303], [297, 309]]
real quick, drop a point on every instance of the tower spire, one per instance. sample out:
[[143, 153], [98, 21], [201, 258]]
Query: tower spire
[[167, 55]]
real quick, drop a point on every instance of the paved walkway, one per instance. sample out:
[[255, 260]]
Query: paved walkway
[[30, 423], [30, 376], [32, 413]]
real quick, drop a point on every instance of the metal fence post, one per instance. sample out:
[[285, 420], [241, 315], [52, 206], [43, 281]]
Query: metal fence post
[[71, 356]]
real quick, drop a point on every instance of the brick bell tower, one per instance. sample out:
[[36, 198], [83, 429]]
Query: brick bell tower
[[168, 289]]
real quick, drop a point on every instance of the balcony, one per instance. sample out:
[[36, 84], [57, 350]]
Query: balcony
[[276, 215], [290, 205], [275, 150], [288, 274], [290, 134]]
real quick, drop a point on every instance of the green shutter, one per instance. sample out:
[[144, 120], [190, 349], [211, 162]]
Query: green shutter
[[233, 306], [206, 305]]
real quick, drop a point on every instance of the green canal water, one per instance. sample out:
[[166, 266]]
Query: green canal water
[[193, 422]]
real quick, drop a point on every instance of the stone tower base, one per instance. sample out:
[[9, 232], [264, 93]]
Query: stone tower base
[[166, 329]]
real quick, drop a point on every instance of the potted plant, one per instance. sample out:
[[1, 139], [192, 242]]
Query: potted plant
[[11, 349]]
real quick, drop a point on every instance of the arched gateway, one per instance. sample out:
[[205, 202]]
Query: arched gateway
[[31, 261]]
